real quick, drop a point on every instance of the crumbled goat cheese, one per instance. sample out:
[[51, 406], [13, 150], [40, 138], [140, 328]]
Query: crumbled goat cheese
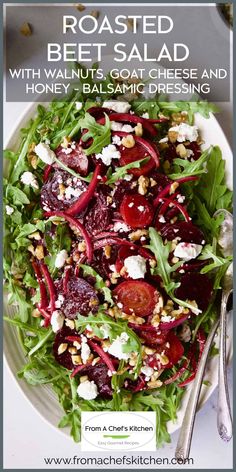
[[28, 178], [180, 198], [118, 226], [87, 390], [164, 140], [116, 126], [116, 140], [189, 153], [57, 321], [9, 210], [44, 152], [108, 153], [118, 106], [116, 348], [59, 301], [105, 329], [78, 106], [167, 319], [130, 205], [161, 219], [127, 129], [128, 177], [85, 350], [135, 266], [185, 132], [187, 251], [147, 371], [145, 115], [141, 208], [72, 192], [61, 259]]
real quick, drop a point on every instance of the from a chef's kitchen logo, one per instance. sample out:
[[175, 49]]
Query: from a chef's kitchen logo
[[118, 430]]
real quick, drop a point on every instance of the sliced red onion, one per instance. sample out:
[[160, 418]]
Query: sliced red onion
[[104, 356], [85, 198]]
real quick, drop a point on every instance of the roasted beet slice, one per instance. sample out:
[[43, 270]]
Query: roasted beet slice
[[64, 359], [52, 195], [151, 335], [99, 214], [98, 112], [80, 298], [188, 232], [99, 374], [134, 154], [137, 297], [161, 181], [136, 211], [123, 253], [102, 264], [195, 286], [175, 351], [122, 188], [74, 158]]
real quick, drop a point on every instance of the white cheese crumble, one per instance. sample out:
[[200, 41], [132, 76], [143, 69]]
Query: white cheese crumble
[[127, 129], [128, 177], [147, 371], [44, 152], [72, 192], [164, 140], [145, 115], [116, 126], [27, 178], [135, 266], [78, 106], [61, 259], [167, 319], [105, 329], [141, 208], [119, 226], [116, 348], [185, 132], [130, 205], [9, 210], [187, 251], [59, 301], [87, 390], [85, 350], [118, 106], [116, 140], [108, 153], [57, 321], [161, 219]]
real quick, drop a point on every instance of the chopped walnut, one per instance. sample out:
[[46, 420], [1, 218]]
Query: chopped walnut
[[70, 323], [109, 200], [72, 350], [36, 313], [26, 29], [162, 358], [152, 182], [115, 312], [82, 246], [155, 320], [62, 348], [149, 351], [62, 189], [83, 378], [143, 183], [128, 141], [152, 263], [36, 235], [107, 251], [76, 360], [136, 235], [172, 135], [95, 13], [95, 360], [181, 150], [173, 187], [155, 384], [138, 129], [80, 7], [39, 252]]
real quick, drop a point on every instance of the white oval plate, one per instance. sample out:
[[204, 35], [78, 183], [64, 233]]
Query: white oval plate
[[42, 398]]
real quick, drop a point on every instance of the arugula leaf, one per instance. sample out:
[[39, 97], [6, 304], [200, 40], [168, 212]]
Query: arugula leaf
[[209, 252], [212, 189], [120, 172], [16, 196], [163, 268], [185, 168], [202, 107], [148, 106], [205, 220], [101, 134], [100, 284]]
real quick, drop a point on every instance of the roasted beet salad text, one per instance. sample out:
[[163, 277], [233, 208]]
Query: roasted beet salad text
[[111, 253]]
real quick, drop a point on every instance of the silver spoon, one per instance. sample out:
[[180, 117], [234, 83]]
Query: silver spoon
[[186, 431], [224, 417]]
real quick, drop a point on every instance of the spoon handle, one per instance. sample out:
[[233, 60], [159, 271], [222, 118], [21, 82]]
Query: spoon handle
[[186, 431], [224, 418]]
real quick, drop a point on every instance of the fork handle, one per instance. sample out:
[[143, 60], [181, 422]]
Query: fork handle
[[224, 418], [186, 431]]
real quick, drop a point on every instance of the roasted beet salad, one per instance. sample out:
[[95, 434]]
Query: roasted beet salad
[[111, 253]]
